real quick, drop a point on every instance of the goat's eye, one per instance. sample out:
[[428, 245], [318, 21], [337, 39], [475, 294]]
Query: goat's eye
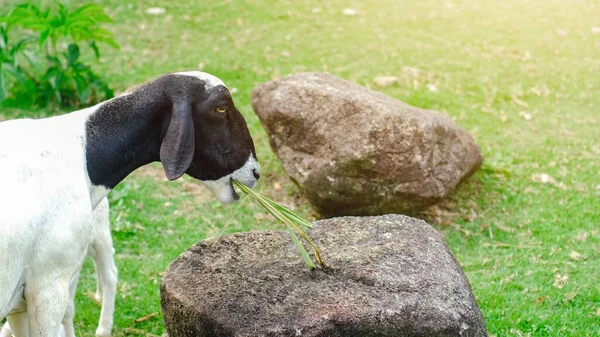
[[221, 109]]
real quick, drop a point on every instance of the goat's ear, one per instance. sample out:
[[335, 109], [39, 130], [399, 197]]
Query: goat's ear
[[177, 148]]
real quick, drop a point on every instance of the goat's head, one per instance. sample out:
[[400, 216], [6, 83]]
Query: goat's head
[[206, 136]]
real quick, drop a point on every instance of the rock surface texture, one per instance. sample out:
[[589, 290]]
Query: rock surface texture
[[358, 152], [389, 275]]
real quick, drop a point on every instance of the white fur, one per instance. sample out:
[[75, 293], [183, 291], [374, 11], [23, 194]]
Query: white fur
[[101, 251], [209, 80], [45, 218]]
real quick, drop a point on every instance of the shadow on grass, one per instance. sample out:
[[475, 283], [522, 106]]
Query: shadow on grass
[[466, 208]]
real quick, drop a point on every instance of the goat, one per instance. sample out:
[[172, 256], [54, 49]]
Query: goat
[[55, 171], [101, 251]]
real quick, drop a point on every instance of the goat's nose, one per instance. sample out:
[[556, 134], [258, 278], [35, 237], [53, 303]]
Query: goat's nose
[[256, 173]]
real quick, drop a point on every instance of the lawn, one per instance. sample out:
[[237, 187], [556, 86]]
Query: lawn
[[523, 77]]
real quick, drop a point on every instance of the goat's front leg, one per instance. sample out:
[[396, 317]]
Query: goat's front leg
[[47, 300]]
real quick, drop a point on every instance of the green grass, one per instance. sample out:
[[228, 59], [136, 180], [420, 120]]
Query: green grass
[[491, 61]]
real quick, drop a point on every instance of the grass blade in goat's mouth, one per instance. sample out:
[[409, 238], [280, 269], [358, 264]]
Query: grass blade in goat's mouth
[[290, 219]]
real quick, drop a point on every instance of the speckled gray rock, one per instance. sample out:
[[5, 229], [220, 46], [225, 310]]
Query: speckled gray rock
[[390, 276], [355, 151]]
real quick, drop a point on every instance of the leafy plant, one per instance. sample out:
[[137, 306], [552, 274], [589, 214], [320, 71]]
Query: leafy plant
[[74, 82], [9, 65], [51, 70]]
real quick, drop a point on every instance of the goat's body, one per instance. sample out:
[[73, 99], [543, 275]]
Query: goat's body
[[101, 251], [46, 212]]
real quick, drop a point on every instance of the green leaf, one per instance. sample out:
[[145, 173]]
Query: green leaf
[[83, 88], [307, 260], [95, 48], [112, 43], [50, 73], [81, 67], [61, 11], [44, 36], [22, 77], [293, 221], [4, 38], [93, 12], [17, 47], [26, 16], [2, 86], [295, 218], [54, 60], [56, 85], [108, 92], [104, 36], [72, 54], [9, 69], [32, 59]]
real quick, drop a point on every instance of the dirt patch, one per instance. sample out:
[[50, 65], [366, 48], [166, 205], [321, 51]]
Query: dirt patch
[[440, 214]]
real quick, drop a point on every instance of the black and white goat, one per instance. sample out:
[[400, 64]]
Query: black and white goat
[[55, 171], [102, 253]]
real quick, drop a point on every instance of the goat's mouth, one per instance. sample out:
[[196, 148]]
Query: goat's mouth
[[235, 196], [223, 188]]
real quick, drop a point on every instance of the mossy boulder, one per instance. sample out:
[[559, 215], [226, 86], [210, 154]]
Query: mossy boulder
[[390, 276], [354, 151]]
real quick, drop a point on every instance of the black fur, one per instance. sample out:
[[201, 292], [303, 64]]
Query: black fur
[[127, 132]]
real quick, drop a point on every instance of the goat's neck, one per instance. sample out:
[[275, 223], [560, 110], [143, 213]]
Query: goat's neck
[[122, 135]]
